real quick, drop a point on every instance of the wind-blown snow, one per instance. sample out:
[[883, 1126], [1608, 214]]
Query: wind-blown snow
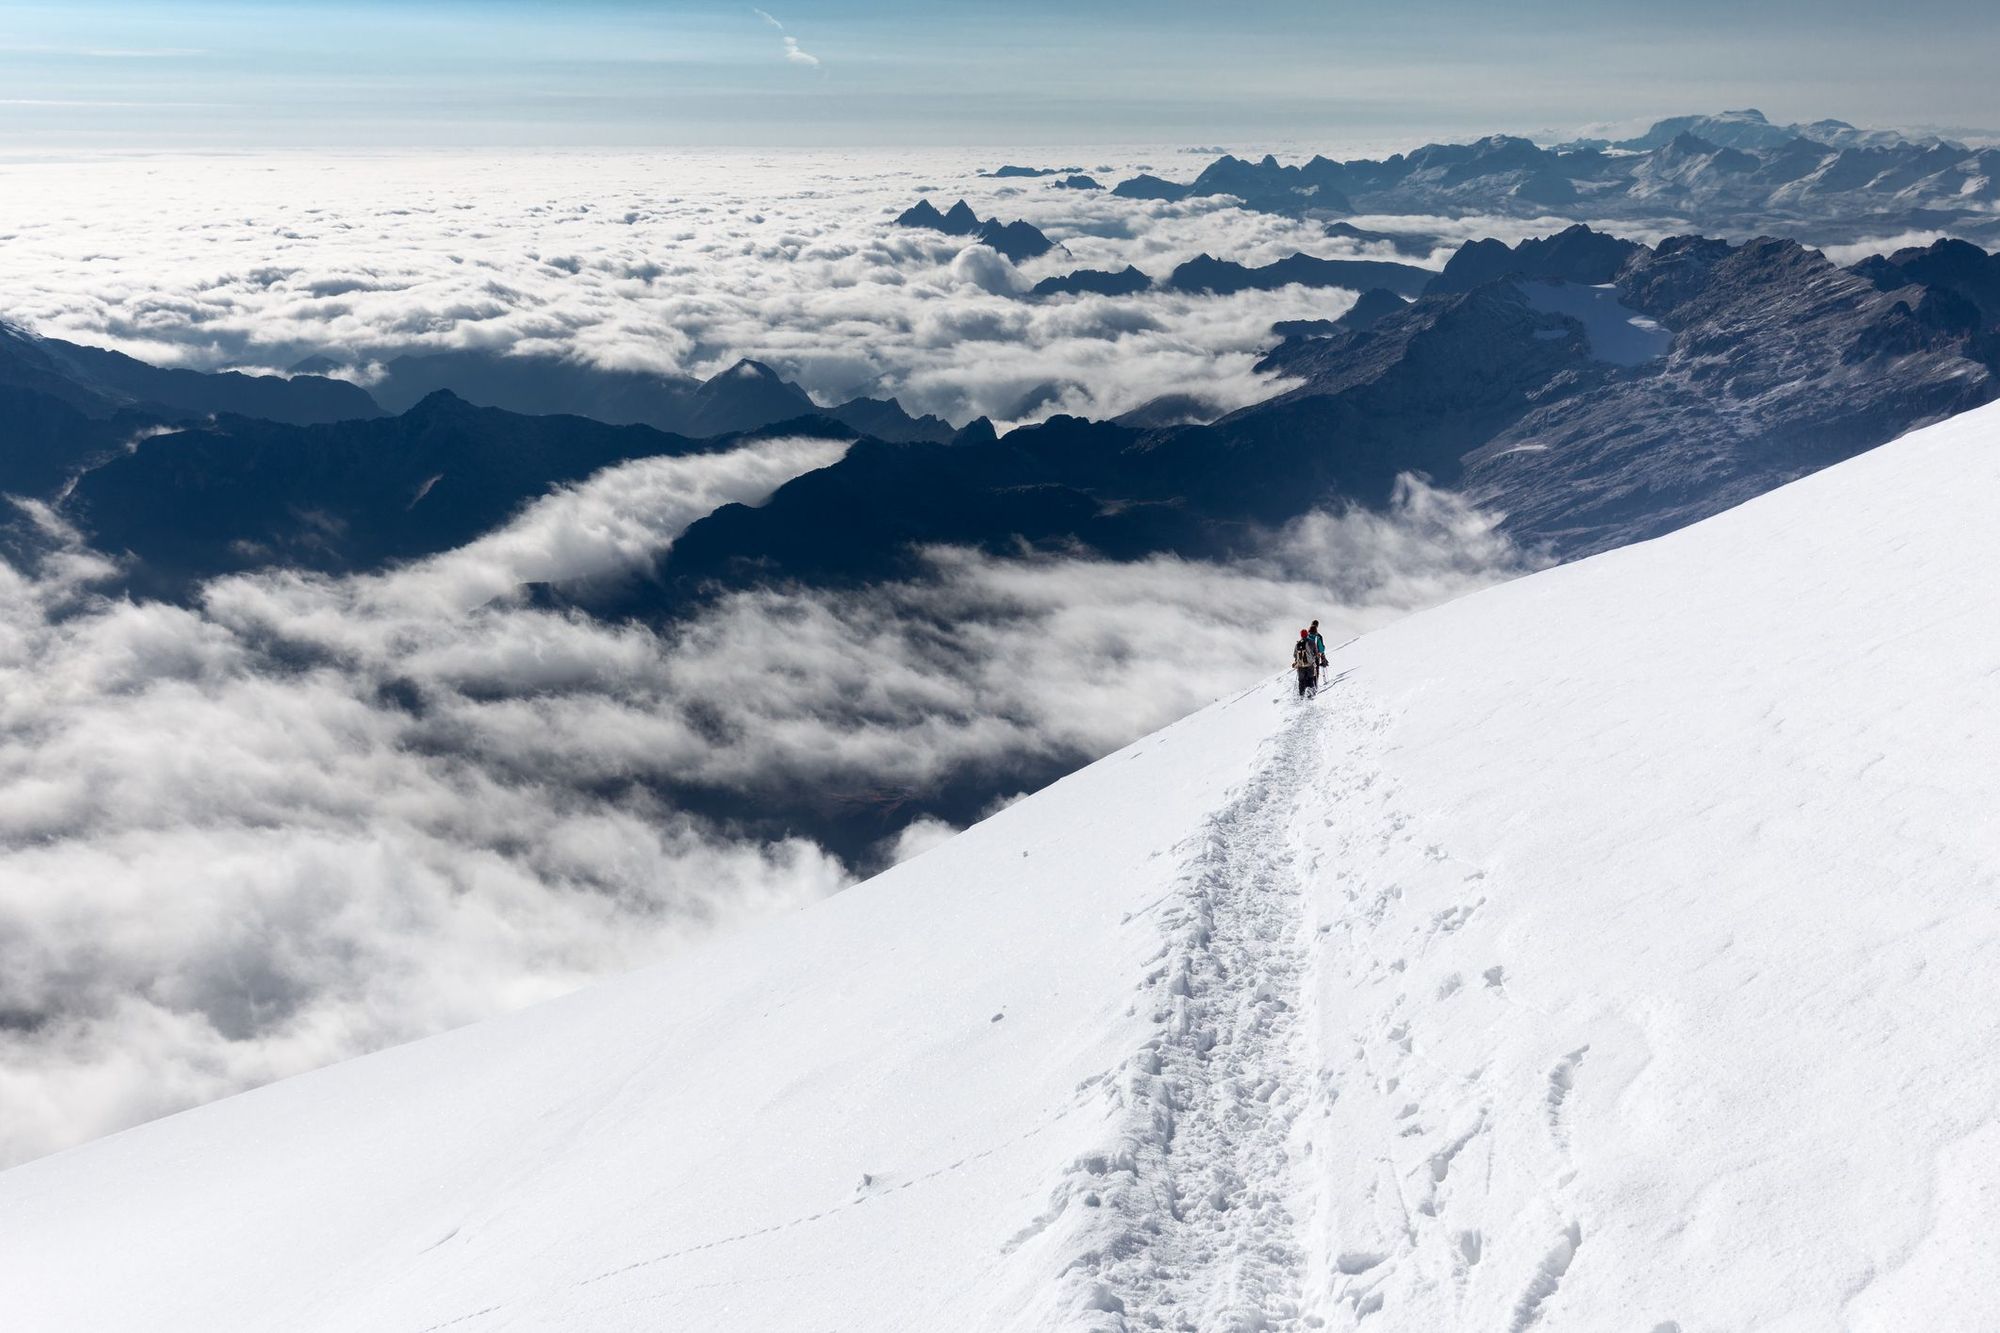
[[1605, 950]]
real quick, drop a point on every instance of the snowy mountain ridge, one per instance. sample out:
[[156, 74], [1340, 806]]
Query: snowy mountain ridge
[[1599, 951]]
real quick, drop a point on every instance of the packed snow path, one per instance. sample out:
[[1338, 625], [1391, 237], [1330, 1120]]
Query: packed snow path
[[1194, 1229], [1609, 950]]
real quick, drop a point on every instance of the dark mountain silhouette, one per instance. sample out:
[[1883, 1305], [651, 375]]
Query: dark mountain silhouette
[[1016, 240], [64, 407], [101, 382], [44, 441], [1148, 186], [1095, 280], [1575, 255], [1267, 184], [1204, 273], [885, 419], [746, 396], [1014, 171], [1075, 183], [242, 494]]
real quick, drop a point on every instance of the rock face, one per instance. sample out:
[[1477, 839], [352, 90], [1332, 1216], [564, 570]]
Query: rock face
[[1016, 240], [1736, 173], [1781, 363], [1953, 266], [1777, 362]]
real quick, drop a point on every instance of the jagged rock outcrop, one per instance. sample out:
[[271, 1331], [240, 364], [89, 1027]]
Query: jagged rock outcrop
[[1016, 240]]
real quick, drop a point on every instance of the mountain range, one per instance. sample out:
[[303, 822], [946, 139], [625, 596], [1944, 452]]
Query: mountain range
[[1591, 390], [1735, 175], [70, 407], [1764, 362]]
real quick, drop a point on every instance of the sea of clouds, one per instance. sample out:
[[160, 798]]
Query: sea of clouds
[[682, 262], [306, 817]]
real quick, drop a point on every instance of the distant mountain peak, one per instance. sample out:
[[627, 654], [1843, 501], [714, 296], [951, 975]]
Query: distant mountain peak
[[1016, 240], [746, 369]]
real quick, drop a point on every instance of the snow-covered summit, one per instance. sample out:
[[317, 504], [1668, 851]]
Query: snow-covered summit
[[1610, 950]]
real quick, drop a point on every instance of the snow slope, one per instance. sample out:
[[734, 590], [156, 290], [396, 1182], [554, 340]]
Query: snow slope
[[1610, 950]]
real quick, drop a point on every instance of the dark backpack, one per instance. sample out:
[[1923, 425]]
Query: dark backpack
[[1303, 657]]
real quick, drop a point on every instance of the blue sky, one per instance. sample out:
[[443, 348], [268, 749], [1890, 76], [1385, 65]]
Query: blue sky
[[443, 73]]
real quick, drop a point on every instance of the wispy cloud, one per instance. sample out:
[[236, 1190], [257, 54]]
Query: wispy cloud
[[793, 52]]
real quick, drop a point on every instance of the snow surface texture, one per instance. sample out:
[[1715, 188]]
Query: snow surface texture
[[1606, 950]]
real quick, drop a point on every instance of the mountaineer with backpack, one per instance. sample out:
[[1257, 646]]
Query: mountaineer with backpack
[[1305, 661], [1319, 650]]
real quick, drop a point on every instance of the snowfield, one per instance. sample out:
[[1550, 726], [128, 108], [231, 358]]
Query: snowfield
[[1613, 950]]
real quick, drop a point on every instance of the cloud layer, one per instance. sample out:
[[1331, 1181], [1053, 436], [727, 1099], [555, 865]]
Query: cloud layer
[[671, 263], [309, 817], [312, 817]]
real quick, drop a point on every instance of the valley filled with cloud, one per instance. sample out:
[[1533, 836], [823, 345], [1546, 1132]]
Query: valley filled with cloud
[[304, 816], [680, 264]]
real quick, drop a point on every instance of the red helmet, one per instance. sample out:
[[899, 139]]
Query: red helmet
[[1303, 633]]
